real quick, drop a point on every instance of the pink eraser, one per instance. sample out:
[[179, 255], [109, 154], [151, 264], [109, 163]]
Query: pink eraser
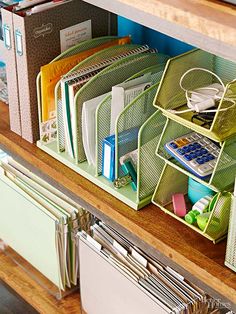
[[179, 204]]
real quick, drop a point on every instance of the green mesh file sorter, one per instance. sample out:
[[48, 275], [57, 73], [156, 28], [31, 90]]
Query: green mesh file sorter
[[97, 60], [83, 46], [170, 96], [103, 82], [149, 131]]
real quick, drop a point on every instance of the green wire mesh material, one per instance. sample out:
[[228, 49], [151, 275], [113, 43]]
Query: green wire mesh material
[[103, 114], [97, 57], [173, 180], [224, 172], [103, 118], [102, 83], [85, 45], [219, 220], [133, 116], [155, 71], [149, 165], [171, 96], [230, 259]]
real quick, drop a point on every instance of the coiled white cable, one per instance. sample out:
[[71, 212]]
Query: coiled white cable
[[198, 101]]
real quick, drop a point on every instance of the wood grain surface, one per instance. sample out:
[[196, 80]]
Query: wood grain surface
[[209, 25], [33, 293], [194, 253]]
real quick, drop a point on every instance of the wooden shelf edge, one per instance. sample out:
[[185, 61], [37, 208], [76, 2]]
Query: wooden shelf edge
[[16, 278]]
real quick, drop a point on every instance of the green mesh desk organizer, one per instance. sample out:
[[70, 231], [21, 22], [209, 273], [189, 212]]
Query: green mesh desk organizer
[[170, 96], [149, 129], [85, 45], [174, 178]]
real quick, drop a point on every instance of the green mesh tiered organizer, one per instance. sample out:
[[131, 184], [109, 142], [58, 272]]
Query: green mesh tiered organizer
[[170, 99], [173, 181], [170, 96], [148, 120]]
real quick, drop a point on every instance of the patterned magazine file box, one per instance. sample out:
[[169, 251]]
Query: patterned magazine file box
[[148, 135], [174, 178]]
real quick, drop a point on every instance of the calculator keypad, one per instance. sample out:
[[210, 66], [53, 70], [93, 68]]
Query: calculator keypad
[[197, 153]]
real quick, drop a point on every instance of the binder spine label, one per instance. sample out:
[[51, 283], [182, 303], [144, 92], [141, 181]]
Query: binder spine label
[[7, 37], [19, 44]]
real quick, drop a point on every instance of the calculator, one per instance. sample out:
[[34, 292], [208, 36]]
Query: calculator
[[197, 153]]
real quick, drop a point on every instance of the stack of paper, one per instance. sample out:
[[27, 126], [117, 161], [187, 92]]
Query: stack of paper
[[39, 223], [128, 280]]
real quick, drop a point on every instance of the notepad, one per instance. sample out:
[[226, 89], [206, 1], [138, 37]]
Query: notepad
[[89, 127], [124, 93]]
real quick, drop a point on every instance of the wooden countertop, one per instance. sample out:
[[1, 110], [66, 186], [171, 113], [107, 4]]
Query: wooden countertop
[[194, 253], [32, 292], [207, 24]]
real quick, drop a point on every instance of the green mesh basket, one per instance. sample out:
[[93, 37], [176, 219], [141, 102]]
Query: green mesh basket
[[173, 181], [170, 96], [223, 175], [102, 83], [85, 45]]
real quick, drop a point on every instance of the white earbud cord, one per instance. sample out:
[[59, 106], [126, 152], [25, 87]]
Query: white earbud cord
[[207, 97]]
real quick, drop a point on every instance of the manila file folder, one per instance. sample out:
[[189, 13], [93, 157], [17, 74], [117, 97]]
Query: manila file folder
[[29, 229], [105, 289]]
